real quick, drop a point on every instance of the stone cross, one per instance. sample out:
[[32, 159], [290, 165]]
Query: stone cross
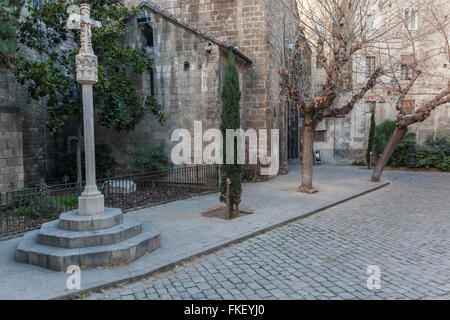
[[91, 202]]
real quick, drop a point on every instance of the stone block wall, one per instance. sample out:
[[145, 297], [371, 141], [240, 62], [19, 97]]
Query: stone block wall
[[38, 143], [11, 151], [187, 82]]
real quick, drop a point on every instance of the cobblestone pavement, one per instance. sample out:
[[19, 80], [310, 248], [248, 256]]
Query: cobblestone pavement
[[404, 229]]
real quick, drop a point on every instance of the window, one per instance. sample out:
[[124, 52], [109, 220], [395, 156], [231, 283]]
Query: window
[[320, 136], [187, 66], [407, 106], [147, 32], [411, 19], [370, 66], [407, 72]]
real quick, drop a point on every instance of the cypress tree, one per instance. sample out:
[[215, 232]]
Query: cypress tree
[[231, 119], [9, 15], [371, 137]]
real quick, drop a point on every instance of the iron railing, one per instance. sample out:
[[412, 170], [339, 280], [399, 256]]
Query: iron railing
[[26, 209]]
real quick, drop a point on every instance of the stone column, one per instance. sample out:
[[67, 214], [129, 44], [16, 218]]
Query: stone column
[[91, 202]]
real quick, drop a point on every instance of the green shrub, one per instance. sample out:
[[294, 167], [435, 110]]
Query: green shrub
[[435, 153], [406, 146], [105, 163], [150, 159], [66, 163], [230, 119], [383, 133], [45, 207]]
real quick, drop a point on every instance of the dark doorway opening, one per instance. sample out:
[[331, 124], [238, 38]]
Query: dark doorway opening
[[293, 132]]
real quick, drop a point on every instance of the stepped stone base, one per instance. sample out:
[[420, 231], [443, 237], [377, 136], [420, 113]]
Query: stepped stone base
[[73, 240]]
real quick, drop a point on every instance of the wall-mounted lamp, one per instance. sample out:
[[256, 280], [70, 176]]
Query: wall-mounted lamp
[[143, 18]]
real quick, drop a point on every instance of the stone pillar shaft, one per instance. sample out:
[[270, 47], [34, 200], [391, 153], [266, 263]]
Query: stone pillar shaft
[[91, 201], [89, 144]]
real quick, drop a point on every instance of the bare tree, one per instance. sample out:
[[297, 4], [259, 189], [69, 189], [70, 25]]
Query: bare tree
[[340, 34], [419, 49]]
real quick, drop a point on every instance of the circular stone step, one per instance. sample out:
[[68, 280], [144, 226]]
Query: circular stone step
[[74, 222], [59, 259], [51, 235]]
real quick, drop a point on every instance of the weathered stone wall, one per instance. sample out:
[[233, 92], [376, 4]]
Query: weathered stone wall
[[11, 152], [243, 24], [38, 143], [186, 82], [254, 27]]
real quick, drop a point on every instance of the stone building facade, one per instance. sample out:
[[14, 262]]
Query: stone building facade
[[189, 41], [344, 140], [35, 143]]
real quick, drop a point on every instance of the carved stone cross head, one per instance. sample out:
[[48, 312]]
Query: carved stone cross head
[[82, 21], [86, 60]]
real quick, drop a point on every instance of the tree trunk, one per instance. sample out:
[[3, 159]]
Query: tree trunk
[[80, 139], [307, 157], [397, 136]]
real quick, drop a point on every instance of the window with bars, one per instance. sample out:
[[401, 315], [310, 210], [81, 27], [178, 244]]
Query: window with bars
[[407, 106], [370, 66], [320, 136]]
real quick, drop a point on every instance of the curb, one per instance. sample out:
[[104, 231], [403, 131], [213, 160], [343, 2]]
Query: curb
[[212, 249]]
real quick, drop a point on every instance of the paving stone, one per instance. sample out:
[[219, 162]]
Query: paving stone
[[399, 228]]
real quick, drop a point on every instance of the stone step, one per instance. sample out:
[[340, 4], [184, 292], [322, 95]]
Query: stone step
[[74, 222], [59, 259], [51, 235]]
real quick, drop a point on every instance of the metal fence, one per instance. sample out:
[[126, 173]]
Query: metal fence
[[26, 209]]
